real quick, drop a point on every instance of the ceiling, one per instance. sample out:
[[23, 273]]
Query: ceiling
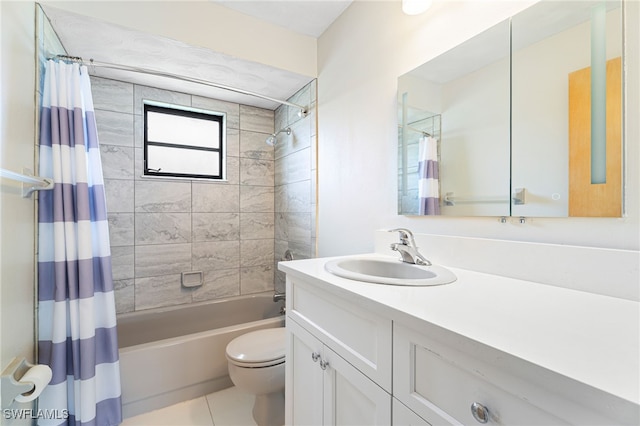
[[88, 37], [309, 17]]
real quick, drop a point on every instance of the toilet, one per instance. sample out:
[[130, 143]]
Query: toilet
[[256, 366]]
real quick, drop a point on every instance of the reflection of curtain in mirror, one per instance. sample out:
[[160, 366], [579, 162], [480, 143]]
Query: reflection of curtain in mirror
[[585, 198], [428, 176]]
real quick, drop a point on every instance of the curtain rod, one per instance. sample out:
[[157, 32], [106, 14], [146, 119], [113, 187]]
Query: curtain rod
[[302, 113], [29, 182]]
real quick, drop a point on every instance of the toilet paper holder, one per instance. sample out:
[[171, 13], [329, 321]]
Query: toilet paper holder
[[11, 384]]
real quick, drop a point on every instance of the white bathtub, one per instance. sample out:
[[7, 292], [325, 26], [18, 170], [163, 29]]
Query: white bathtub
[[174, 354]]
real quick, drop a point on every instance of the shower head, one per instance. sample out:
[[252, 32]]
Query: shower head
[[272, 139]]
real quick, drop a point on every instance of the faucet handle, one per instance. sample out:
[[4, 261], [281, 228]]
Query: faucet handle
[[406, 236]]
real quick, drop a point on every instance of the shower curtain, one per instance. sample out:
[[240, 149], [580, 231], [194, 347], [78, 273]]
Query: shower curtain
[[76, 308], [428, 176]]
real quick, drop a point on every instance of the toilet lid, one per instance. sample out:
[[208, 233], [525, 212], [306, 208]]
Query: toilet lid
[[258, 347]]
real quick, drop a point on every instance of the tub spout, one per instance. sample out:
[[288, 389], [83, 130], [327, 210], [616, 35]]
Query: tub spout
[[279, 296]]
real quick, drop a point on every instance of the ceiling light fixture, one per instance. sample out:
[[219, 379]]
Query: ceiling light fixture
[[415, 7]]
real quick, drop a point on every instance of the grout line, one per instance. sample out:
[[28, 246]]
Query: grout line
[[213, 422]]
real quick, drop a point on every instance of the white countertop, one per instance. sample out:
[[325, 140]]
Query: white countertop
[[590, 338]]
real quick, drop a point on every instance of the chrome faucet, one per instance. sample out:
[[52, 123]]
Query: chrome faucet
[[408, 249], [278, 297]]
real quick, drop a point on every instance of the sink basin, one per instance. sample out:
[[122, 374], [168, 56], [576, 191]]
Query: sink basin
[[387, 271]]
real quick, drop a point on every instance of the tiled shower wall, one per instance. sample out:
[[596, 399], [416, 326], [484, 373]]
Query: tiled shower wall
[[160, 228], [295, 181]]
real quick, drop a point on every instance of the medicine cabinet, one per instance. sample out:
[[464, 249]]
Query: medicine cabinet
[[508, 116]]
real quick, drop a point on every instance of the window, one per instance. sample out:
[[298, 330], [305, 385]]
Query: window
[[185, 143]]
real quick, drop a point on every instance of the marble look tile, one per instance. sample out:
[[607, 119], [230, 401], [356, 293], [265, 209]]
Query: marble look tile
[[231, 109], [215, 198], [233, 170], [112, 95], [301, 250], [298, 250], [280, 283], [162, 196], [122, 262], [124, 293], [146, 93], [163, 228], [280, 197], [138, 154], [114, 128], [256, 119], [256, 172], [256, 199], [233, 143], [256, 252], [216, 255], [159, 291], [293, 167], [300, 138], [293, 227], [256, 225], [119, 195], [215, 227], [253, 145], [281, 246], [281, 118], [121, 229], [138, 131], [217, 284], [256, 279], [162, 259], [117, 162], [294, 197]]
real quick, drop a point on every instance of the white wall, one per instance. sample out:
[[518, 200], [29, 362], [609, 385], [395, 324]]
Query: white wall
[[206, 24], [359, 60], [17, 132]]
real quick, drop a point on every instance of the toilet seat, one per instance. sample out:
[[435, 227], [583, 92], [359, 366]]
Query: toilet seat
[[260, 348]]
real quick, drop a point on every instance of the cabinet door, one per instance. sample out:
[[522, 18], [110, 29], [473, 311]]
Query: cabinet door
[[402, 416], [303, 378], [351, 398]]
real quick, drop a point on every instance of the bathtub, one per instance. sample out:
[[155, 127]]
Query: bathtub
[[169, 355]]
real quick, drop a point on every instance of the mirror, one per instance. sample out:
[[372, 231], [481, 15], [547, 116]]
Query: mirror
[[493, 128], [553, 50], [444, 104]]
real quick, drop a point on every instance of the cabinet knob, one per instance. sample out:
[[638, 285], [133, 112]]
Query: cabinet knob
[[324, 364], [315, 356], [480, 412]]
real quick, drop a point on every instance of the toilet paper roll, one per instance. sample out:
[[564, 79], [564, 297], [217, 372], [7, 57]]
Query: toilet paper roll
[[40, 376]]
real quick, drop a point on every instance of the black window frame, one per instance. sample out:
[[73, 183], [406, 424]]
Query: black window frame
[[175, 110]]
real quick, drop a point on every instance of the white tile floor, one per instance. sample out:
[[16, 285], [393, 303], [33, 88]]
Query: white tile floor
[[228, 407]]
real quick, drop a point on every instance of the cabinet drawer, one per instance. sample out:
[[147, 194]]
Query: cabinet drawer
[[355, 333], [440, 384]]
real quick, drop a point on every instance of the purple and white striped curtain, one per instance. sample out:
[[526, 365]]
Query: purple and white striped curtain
[[428, 176], [76, 308]]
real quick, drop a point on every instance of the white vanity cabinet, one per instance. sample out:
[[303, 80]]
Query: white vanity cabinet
[[450, 380], [485, 349], [338, 369]]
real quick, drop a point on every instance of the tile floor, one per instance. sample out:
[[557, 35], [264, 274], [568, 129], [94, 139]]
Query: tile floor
[[228, 407]]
